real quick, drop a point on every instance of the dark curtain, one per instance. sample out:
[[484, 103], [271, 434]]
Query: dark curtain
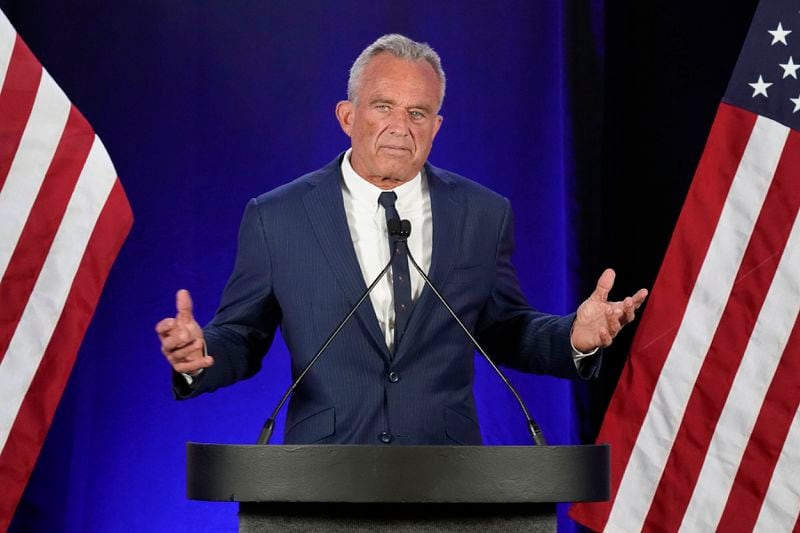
[[645, 114], [590, 116]]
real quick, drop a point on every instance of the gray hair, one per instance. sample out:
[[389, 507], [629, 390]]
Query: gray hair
[[401, 47]]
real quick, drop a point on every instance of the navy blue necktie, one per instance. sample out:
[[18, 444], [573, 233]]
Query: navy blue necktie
[[400, 278]]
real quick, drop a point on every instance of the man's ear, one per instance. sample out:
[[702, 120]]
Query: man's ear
[[439, 120], [344, 114]]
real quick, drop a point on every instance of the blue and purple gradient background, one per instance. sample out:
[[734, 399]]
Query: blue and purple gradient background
[[205, 104]]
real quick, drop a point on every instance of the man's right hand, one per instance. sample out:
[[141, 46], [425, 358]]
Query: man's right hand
[[182, 338]]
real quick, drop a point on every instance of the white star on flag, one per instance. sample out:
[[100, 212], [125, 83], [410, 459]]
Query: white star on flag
[[759, 87], [789, 69], [796, 102], [779, 34]]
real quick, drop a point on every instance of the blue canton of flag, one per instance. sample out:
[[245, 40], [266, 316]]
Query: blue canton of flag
[[766, 79]]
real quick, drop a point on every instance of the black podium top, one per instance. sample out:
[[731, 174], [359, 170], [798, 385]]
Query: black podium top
[[411, 474]]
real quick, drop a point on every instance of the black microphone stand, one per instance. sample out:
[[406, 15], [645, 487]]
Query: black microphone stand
[[400, 231], [269, 425], [533, 427]]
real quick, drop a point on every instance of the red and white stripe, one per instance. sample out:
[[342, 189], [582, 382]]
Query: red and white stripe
[[703, 424], [63, 218]]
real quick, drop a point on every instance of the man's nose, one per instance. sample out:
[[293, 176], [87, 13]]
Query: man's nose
[[399, 122]]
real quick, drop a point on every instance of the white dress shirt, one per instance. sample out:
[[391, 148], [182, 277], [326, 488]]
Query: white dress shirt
[[366, 219]]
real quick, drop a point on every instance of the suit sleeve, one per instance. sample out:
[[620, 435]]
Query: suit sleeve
[[244, 325], [520, 337]]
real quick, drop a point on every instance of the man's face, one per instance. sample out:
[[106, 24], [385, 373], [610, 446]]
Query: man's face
[[393, 120]]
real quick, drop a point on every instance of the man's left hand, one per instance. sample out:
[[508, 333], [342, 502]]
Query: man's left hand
[[598, 321]]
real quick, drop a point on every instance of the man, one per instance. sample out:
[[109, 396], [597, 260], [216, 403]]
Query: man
[[401, 371]]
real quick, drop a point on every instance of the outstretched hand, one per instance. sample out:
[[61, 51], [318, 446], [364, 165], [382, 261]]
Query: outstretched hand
[[598, 321], [182, 338]]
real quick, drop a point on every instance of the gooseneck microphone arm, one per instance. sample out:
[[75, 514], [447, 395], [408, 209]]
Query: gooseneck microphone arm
[[533, 427], [269, 425]]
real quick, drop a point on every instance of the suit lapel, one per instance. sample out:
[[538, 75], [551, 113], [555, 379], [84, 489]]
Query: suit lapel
[[447, 213], [325, 208]]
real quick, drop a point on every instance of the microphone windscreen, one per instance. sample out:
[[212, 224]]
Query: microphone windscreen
[[395, 227]]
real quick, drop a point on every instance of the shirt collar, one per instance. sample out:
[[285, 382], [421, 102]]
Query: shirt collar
[[409, 194]]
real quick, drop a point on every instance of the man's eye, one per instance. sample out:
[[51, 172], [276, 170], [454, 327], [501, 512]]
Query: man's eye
[[416, 114], [382, 107]]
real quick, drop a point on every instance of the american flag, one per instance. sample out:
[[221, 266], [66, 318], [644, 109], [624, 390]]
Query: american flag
[[704, 423], [63, 219]]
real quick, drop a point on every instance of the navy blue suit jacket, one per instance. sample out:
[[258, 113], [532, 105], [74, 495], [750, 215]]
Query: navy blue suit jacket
[[296, 268]]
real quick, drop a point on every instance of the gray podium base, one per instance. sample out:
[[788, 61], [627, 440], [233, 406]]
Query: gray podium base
[[396, 517]]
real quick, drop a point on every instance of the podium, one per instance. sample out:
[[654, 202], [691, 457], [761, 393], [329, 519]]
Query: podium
[[341, 488]]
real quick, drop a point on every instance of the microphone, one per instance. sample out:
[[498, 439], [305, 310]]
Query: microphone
[[533, 427], [398, 231]]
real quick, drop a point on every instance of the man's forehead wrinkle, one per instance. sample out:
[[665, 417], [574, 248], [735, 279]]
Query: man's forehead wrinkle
[[380, 99], [411, 82]]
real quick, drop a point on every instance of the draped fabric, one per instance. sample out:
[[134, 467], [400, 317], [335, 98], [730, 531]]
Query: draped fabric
[[64, 217], [703, 425], [588, 116]]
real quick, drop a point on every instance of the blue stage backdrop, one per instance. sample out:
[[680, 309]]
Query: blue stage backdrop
[[203, 105]]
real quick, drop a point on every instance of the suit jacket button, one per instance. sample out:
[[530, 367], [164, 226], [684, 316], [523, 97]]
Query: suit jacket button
[[385, 437], [394, 377]]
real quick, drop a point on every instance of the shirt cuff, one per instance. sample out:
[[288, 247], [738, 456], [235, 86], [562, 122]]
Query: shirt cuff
[[190, 378], [577, 355]]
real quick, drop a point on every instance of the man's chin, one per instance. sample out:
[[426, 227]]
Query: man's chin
[[399, 173], [397, 160]]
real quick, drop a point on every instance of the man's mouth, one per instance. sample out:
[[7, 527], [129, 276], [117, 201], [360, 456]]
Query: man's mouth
[[396, 148]]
